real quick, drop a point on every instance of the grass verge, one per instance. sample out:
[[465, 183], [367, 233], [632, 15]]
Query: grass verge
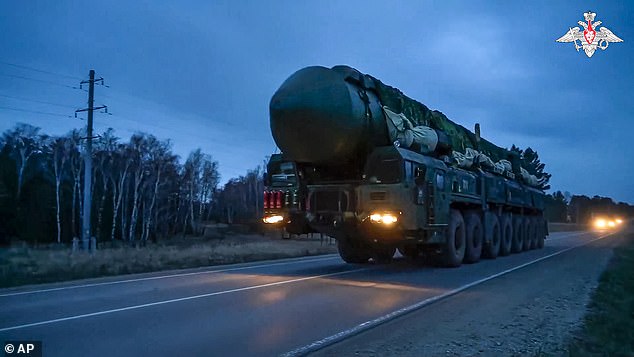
[[609, 324], [20, 266]]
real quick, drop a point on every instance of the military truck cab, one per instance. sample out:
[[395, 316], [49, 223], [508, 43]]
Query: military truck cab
[[284, 196], [401, 197]]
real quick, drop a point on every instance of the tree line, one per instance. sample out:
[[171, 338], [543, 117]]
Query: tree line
[[140, 189], [581, 209]]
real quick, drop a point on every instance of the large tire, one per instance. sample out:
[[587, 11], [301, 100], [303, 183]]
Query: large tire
[[534, 233], [506, 228], [492, 236], [518, 234], [351, 253], [383, 255], [528, 234], [474, 236], [540, 223], [454, 249]]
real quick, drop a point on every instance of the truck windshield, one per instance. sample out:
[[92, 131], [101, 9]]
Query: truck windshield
[[384, 171], [283, 174]]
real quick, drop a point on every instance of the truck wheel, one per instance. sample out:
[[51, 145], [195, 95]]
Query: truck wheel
[[454, 249], [506, 228], [541, 232], [492, 231], [518, 234], [351, 253], [535, 232], [528, 234], [383, 255], [474, 236]]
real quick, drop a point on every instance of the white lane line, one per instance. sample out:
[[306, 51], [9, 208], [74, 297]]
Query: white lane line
[[317, 345], [577, 233], [297, 260], [134, 307]]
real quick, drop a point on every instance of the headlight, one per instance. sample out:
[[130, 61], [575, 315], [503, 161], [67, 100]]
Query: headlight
[[273, 219], [619, 221], [385, 218], [600, 223], [611, 224]]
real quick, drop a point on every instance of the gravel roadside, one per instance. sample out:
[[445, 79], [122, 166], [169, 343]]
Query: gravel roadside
[[528, 312]]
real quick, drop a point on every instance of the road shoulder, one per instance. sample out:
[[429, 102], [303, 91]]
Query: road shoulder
[[530, 311]]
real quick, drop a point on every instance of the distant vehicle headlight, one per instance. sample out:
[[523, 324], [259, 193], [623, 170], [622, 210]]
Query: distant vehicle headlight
[[619, 221], [611, 224]]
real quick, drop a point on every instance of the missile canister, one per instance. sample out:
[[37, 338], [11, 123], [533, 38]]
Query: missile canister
[[331, 116]]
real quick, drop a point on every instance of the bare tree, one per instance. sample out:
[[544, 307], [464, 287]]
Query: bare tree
[[118, 177], [208, 184], [60, 148], [104, 155], [160, 157], [192, 170], [137, 156], [24, 142], [76, 168]]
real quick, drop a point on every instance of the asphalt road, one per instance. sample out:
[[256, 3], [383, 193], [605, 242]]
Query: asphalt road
[[265, 308]]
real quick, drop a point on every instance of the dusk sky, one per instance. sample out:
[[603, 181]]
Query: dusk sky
[[201, 73]]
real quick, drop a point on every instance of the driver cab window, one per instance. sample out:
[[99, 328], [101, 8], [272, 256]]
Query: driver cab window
[[384, 171], [283, 174]]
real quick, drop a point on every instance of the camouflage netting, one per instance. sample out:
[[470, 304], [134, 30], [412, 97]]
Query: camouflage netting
[[467, 152], [461, 138]]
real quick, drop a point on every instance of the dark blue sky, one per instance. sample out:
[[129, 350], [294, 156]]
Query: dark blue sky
[[202, 73]]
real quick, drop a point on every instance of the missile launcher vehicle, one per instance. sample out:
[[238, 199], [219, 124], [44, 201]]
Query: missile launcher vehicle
[[379, 171]]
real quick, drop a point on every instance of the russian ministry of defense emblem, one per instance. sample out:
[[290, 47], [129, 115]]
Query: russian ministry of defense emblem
[[590, 39]]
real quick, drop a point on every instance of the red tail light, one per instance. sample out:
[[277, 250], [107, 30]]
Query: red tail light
[[278, 199], [266, 199]]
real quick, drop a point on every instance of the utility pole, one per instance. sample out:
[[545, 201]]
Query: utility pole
[[85, 227]]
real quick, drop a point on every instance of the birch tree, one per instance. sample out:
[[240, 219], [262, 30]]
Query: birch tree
[[118, 177], [160, 158], [104, 158], [24, 141], [137, 156], [60, 150]]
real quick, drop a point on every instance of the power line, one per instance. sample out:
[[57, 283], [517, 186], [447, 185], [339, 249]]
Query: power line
[[34, 112], [39, 70], [37, 80], [37, 101]]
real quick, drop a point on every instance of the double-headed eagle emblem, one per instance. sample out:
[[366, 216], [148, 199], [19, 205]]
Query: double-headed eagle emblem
[[589, 40]]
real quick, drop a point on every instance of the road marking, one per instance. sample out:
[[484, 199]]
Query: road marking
[[577, 233], [295, 261], [317, 345], [134, 307]]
